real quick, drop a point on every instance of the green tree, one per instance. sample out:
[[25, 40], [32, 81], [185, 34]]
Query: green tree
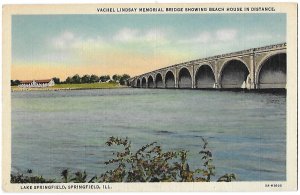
[[104, 78], [15, 82], [56, 80], [76, 79], [94, 78], [124, 78], [116, 77], [69, 80], [86, 79]]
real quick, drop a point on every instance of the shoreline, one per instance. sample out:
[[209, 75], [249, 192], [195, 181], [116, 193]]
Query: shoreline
[[273, 91], [63, 89]]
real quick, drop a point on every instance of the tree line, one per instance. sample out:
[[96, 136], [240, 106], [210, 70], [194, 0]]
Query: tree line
[[76, 79]]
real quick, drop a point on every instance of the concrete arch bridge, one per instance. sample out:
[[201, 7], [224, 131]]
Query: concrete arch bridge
[[256, 68]]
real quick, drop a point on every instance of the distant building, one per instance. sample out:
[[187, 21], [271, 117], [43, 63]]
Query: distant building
[[37, 83]]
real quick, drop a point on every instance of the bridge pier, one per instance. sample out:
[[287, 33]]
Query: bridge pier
[[217, 86], [251, 81], [176, 77], [193, 77]]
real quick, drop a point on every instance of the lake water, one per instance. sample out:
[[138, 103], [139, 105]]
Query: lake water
[[53, 130]]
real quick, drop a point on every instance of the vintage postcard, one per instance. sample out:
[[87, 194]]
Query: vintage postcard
[[150, 97]]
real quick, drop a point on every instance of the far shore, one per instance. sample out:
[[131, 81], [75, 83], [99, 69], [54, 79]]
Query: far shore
[[59, 87]]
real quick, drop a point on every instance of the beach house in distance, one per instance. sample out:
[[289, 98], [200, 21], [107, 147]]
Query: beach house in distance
[[37, 83]]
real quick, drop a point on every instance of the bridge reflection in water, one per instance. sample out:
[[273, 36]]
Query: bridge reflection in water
[[256, 68]]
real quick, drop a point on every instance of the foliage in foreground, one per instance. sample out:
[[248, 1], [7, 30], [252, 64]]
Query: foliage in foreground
[[148, 164], [21, 178]]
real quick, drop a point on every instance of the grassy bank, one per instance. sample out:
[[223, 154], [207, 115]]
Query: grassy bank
[[87, 86], [111, 85]]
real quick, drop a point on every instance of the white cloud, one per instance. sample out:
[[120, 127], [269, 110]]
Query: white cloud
[[63, 40], [212, 37], [204, 37], [136, 35], [126, 35], [68, 41], [226, 34], [154, 35], [91, 42]]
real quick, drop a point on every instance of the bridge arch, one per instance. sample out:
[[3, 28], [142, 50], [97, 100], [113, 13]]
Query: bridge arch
[[271, 71], [170, 79], [144, 82], [205, 77], [138, 83], [184, 78], [233, 74], [159, 81], [150, 82]]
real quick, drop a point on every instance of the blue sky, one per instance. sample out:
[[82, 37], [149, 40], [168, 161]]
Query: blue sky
[[62, 45]]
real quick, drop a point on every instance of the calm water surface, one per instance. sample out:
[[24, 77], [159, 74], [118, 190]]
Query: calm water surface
[[53, 130]]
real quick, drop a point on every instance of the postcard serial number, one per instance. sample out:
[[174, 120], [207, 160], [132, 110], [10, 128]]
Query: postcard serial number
[[273, 185]]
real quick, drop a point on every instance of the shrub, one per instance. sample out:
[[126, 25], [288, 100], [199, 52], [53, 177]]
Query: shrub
[[148, 164], [28, 178], [152, 164]]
